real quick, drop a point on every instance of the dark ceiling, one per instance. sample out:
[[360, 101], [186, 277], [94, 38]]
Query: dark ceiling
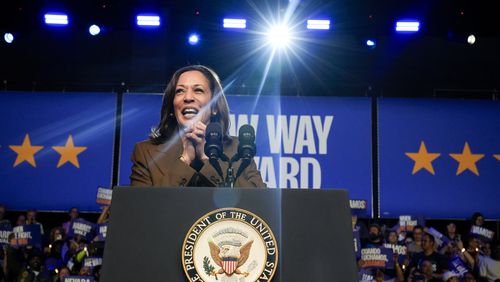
[[436, 62]]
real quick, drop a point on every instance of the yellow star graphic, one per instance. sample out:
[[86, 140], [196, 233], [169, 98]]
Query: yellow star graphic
[[25, 152], [423, 159], [467, 160], [69, 153], [497, 157]]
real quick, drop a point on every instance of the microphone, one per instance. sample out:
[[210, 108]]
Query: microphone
[[246, 147], [213, 145], [246, 138], [213, 140]]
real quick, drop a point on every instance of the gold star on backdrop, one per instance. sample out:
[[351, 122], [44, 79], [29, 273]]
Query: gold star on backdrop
[[467, 160], [69, 153], [25, 152], [497, 157], [423, 159]]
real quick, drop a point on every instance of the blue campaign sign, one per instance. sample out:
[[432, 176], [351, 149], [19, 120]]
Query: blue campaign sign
[[28, 235], [55, 147], [457, 265], [441, 241], [484, 234], [92, 261], [379, 257], [74, 278], [439, 158], [101, 230], [82, 227], [306, 142]]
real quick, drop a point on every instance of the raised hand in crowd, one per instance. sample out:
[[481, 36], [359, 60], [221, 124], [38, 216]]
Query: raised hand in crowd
[[104, 216]]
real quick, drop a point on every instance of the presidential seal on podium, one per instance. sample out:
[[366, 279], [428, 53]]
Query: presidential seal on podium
[[230, 245]]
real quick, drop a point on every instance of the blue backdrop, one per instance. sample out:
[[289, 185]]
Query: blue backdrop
[[439, 158], [55, 149], [322, 142]]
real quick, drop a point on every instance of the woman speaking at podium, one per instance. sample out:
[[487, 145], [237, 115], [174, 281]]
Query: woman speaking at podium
[[174, 155]]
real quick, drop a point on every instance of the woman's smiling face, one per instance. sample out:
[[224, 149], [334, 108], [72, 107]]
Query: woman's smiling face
[[192, 97]]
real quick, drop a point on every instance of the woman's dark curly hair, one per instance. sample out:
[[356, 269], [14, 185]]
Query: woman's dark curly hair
[[218, 105]]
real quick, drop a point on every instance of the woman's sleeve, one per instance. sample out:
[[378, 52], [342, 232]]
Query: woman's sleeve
[[141, 175]]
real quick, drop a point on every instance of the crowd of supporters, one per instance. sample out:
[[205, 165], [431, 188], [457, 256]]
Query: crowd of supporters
[[61, 253], [425, 254], [419, 253]]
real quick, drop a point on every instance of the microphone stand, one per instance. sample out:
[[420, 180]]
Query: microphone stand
[[230, 176], [229, 181]]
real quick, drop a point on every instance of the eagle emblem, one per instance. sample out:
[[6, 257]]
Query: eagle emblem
[[229, 245], [229, 253]]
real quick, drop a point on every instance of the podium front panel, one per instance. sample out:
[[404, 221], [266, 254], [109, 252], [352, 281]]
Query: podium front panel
[[148, 226]]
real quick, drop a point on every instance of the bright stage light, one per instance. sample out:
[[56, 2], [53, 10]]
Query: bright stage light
[[94, 30], [235, 23], [318, 24], [471, 39], [56, 19], [8, 37], [193, 39], [371, 43], [144, 20], [279, 36], [407, 26]]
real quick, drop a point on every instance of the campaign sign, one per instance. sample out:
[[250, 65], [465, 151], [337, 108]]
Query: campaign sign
[[358, 207], [406, 223], [457, 265], [483, 233], [401, 250], [5, 230], [377, 257], [302, 142], [441, 240], [101, 231], [81, 227], [438, 149], [28, 235], [54, 147], [104, 196], [92, 261], [79, 279], [357, 243]]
